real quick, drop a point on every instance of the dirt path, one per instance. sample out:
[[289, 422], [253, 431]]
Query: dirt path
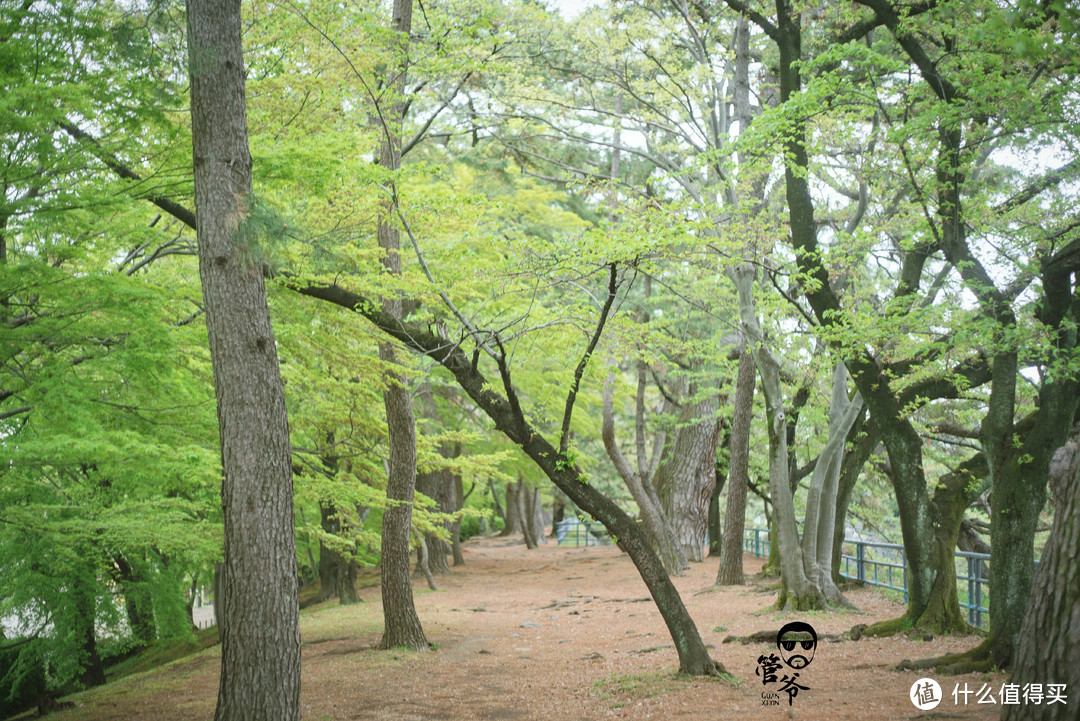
[[563, 634]]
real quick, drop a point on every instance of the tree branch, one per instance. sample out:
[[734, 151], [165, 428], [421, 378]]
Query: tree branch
[[571, 396]]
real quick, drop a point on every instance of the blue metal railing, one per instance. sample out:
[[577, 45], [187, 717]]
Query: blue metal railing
[[575, 532], [885, 565]]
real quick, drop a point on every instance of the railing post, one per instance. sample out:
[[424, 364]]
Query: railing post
[[757, 540], [978, 591], [860, 556], [903, 562], [972, 584]]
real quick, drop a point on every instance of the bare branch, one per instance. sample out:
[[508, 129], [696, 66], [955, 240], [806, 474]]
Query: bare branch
[[564, 436]]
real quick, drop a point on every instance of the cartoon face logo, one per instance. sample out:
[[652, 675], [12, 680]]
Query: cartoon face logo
[[797, 650]]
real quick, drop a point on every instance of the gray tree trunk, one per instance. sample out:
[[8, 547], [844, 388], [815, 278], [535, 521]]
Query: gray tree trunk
[[512, 517], [260, 650], [819, 521], [523, 501], [731, 553], [657, 528], [687, 475], [798, 592]]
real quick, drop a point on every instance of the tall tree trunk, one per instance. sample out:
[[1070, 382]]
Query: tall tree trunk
[[455, 527], [819, 521], [731, 555], [84, 600], [687, 475], [260, 652], [798, 590], [512, 517], [524, 498], [534, 514], [438, 485], [401, 624], [1047, 648], [138, 602], [337, 570], [864, 439], [558, 511]]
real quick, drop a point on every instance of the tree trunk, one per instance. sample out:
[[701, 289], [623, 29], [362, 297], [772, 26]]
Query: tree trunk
[[535, 516], [819, 521], [524, 498], [422, 563], [455, 527], [558, 512], [715, 528], [84, 601], [799, 590], [438, 485], [138, 602], [656, 525], [687, 475], [260, 653], [330, 561], [1048, 642], [864, 438], [731, 555], [401, 624], [512, 517]]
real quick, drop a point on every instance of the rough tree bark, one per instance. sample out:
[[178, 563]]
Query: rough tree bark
[[401, 624], [455, 527], [522, 499], [731, 553], [686, 476], [260, 651], [1048, 644]]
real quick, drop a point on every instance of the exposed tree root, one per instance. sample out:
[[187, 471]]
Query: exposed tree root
[[978, 659], [886, 628], [770, 637]]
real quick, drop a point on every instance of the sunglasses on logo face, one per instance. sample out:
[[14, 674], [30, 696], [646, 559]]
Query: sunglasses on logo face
[[790, 645]]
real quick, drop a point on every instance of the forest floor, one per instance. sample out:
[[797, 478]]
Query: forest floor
[[565, 634]]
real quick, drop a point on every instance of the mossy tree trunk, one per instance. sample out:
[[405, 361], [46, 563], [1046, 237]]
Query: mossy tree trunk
[[1047, 650]]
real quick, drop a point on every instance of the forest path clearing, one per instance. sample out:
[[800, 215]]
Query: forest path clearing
[[563, 634]]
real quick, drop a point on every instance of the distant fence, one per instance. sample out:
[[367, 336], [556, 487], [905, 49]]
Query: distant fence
[[885, 565], [575, 532]]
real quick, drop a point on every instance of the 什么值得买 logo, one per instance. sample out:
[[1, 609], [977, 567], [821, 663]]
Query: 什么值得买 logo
[[796, 642]]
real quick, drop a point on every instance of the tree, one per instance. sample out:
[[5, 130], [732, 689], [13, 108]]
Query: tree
[[557, 463], [401, 624], [731, 568], [260, 657], [1047, 652]]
